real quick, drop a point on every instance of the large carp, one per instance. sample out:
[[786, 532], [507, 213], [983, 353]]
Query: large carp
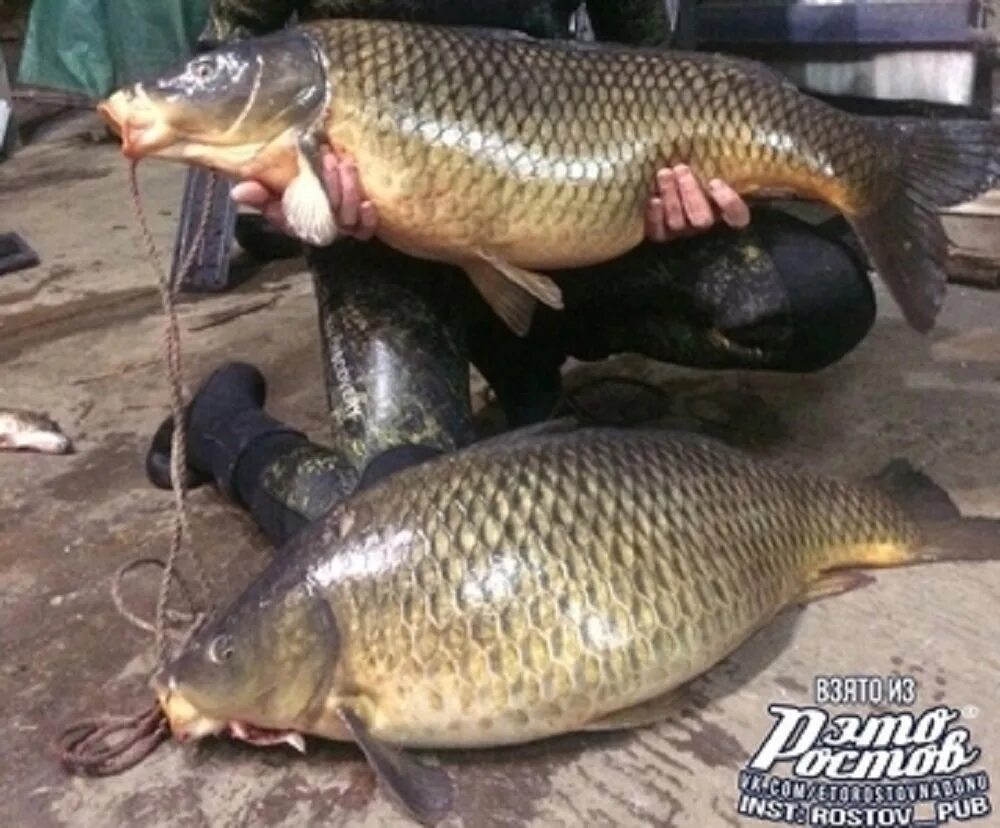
[[505, 155], [534, 585]]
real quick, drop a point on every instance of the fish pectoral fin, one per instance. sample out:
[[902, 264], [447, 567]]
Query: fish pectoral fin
[[643, 714], [830, 584], [513, 304], [305, 202], [426, 793]]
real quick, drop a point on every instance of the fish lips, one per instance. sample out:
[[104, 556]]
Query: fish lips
[[186, 722], [136, 120]]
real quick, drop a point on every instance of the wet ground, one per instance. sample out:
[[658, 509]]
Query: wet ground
[[79, 338]]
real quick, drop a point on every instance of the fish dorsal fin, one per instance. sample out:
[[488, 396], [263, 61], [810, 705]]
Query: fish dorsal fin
[[511, 291], [394, 460], [564, 425], [424, 792], [643, 714], [305, 202], [494, 33]]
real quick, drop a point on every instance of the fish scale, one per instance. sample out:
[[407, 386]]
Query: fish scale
[[475, 613], [604, 141]]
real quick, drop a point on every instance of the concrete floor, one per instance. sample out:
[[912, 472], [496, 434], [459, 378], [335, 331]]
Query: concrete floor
[[79, 337]]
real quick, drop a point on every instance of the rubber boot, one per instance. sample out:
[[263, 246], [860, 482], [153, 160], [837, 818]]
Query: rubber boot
[[225, 417]]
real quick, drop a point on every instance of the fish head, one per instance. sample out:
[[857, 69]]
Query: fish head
[[266, 662], [221, 108]]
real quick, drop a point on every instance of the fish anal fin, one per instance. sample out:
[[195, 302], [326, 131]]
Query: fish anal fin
[[643, 714], [425, 793], [305, 202], [513, 304], [830, 584]]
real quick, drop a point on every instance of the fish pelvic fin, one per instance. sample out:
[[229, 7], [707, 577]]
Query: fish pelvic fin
[[513, 304], [934, 165], [512, 291], [305, 201], [945, 534], [425, 793], [830, 584]]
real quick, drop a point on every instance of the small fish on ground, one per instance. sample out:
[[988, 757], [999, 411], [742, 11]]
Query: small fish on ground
[[30, 431], [508, 156], [537, 584]]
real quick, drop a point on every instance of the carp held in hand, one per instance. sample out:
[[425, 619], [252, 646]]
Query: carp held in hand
[[534, 585], [505, 155]]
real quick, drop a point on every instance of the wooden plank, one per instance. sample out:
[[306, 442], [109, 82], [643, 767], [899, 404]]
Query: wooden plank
[[973, 231]]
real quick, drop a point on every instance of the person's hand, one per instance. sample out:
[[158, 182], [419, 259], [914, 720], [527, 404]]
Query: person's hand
[[353, 213], [681, 208]]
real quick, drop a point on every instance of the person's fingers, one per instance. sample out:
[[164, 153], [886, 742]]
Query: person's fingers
[[255, 195], [251, 194], [696, 207], [656, 228], [274, 213], [734, 210], [367, 221], [331, 177], [673, 211], [350, 196]]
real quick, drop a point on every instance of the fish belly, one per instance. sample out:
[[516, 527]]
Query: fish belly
[[481, 706], [448, 205]]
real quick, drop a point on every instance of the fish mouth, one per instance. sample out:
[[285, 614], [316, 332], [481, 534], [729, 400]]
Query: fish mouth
[[134, 117], [265, 737], [186, 722]]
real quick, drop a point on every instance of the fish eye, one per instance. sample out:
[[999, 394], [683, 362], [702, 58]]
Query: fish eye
[[220, 649], [205, 70]]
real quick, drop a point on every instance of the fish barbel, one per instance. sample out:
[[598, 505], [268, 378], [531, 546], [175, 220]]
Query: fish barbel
[[532, 586], [506, 155]]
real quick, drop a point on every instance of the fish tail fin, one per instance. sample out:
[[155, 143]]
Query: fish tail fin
[[934, 164], [945, 534]]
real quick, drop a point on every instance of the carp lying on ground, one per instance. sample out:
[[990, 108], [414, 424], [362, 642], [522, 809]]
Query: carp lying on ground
[[505, 155], [534, 585]]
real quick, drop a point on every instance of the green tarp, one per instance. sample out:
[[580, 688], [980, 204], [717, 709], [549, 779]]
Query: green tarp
[[94, 46]]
